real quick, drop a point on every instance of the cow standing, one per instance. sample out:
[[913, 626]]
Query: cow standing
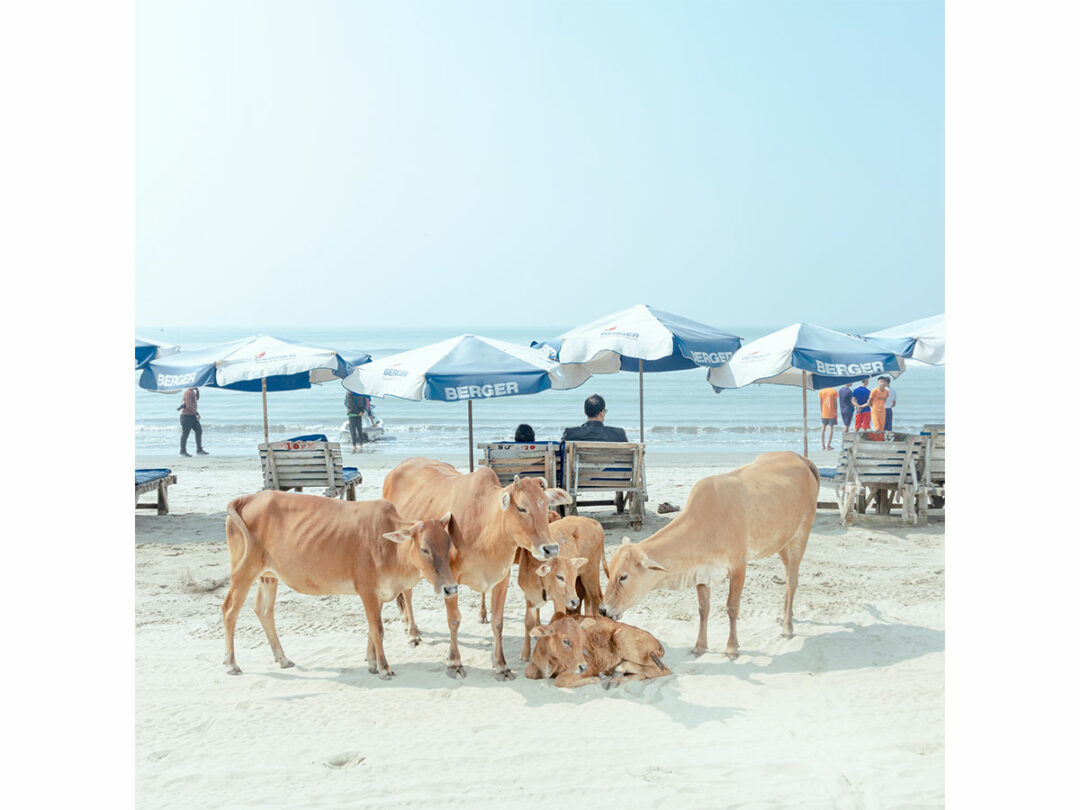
[[490, 523], [322, 546], [765, 507]]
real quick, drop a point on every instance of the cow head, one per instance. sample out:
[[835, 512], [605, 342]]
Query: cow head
[[430, 552], [559, 577], [525, 505], [561, 646], [631, 575]]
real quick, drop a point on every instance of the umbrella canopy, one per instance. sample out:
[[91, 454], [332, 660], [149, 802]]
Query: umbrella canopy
[[643, 338], [258, 363], [466, 367], [147, 350], [922, 340], [808, 356], [827, 357]]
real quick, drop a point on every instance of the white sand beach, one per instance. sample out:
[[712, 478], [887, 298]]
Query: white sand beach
[[849, 713]]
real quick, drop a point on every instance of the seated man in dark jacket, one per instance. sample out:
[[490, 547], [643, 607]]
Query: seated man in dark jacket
[[594, 430]]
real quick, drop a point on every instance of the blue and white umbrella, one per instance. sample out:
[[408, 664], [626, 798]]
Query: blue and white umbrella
[[643, 339], [463, 368], [258, 363], [147, 350], [922, 340], [806, 356]]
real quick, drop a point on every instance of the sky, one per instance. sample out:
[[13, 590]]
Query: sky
[[498, 164]]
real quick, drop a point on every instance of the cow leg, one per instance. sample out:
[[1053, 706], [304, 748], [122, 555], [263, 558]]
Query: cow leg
[[703, 598], [532, 619], [791, 555], [483, 608], [453, 619], [264, 609], [373, 609], [239, 584], [498, 602], [736, 578], [590, 605], [404, 603]]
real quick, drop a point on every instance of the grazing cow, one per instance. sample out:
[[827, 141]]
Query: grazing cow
[[321, 546], [490, 524], [583, 537], [553, 579], [612, 650], [765, 507]]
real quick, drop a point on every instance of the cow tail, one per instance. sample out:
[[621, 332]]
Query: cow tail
[[233, 514], [813, 468]]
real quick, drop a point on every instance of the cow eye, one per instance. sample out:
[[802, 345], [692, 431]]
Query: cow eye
[[522, 509], [566, 642], [425, 551], [623, 578], [560, 578]]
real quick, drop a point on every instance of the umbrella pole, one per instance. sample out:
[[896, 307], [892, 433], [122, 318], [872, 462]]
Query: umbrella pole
[[470, 438], [641, 396], [266, 427], [805, 440]]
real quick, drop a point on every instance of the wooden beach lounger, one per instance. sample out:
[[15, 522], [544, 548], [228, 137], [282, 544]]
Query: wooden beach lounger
[[934, 470], [591, 468], [875, 467], [156, 480], [508, 459], [308, 461]]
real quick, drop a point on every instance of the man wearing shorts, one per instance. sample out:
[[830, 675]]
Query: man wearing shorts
[[846, 410], [828, 397], [861, 396], [890, 403]]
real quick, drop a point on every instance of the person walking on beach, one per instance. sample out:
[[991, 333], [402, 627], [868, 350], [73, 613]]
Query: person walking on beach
[[594, 430], [846, 409], [356, 405], [828, 397], [890, 403], [878, 398], [189, 421], [861, 398]]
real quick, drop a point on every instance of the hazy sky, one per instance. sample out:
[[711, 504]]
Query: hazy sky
[[501, 163]]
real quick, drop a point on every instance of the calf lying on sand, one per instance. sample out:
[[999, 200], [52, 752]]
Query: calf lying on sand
[[579, 650], [553, 579], [765, 507], [321, 546]]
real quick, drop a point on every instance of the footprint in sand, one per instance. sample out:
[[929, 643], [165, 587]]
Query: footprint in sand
[[349, 759]]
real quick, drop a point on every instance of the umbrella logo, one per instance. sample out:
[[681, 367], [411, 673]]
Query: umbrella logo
[[395, 371]]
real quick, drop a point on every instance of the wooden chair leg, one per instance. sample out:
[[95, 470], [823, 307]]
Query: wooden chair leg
[[162, 500]]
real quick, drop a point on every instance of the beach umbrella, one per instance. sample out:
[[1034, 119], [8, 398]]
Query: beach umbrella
[[808, 356], [257, 363], [642, 339], [147, 350], [922, 340], [463, 368]]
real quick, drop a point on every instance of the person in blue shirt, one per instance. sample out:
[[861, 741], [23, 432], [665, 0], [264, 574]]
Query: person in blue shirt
[[861, 397], [846, 409]]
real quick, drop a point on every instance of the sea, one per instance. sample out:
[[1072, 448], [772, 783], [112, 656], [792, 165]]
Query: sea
[[682, 412]]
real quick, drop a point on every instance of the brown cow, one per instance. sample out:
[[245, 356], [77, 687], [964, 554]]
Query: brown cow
[[765, 507], [613, 650], [321, 546], [553, 579], [490, 523], [583, 537]]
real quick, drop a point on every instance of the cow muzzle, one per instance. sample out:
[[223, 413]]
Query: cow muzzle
[[573, 603], [549, 550], [448, 591]]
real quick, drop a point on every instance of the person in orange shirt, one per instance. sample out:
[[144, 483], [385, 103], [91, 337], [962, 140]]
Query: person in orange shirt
[[828, 397], [877, 403]]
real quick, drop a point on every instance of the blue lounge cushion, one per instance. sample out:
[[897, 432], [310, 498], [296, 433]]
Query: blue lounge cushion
[[827, 472], [350, 473], [145, 476], [311, 437]]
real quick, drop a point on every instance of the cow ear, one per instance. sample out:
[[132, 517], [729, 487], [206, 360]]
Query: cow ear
[[552, 516], [577, 562], [445, 520], [543, 570], [558, 496], [626, 541], [587, 623], [400, 536], [517, 479], [541, 632], [505, 500], [543, 482], [653, 564]]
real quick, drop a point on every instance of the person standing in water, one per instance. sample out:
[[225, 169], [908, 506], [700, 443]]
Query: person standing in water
[[356, 405], [189, 421]]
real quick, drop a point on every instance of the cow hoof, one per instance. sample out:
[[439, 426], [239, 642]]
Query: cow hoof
[[504, 675], [234, 670], [415, 641], [372, 668], [731, 654], [787, 635], [386, 675], [287, 663], [455, 671], [699, 651]]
